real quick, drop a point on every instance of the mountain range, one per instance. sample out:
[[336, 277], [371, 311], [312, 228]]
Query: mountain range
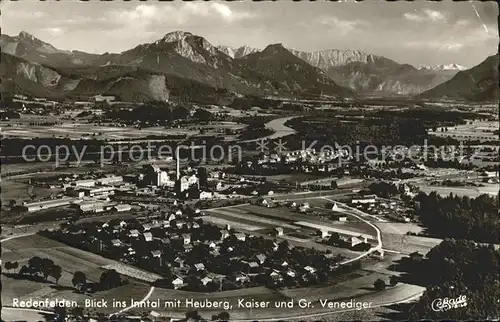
[[443, 67], [366, 73], [480, 83], [184, 66]]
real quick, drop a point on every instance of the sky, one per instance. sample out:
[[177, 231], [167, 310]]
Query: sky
[[418, 32]]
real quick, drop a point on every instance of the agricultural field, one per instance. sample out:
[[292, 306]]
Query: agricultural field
[[470, 191], [256, 217], [473, 130], [407, 244], [71, 260], [79, 130]]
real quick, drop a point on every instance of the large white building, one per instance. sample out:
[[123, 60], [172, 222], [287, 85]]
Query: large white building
[[47, 204], [110, 180], [188, 181], [157, 177], [365, 199]]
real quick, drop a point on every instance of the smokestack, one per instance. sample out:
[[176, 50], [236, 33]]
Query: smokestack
[[177, 168]]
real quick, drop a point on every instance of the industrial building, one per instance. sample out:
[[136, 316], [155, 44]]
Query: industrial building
[[47, 204], [122, 207], [109, 180], [85, 183]]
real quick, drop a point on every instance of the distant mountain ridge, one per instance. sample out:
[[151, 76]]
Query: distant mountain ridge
[[479, 83], [366, 73], [285, 70], [182, 56], [443, 67], [237, 52]]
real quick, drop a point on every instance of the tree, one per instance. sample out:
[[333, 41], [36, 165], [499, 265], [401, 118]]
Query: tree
[[56, 273], [334, 238], [223, 316], [203, 115], [333, 185], [8, 266], [110, 279], [77, 311], [25, 270], [15, 265], [193, 315], [35, 264], [379, 285], [61, 313], [393, 280], [46, 267], [79, 280]]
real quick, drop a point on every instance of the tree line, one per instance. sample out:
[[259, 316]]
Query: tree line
[[459, 268], [475, 219]]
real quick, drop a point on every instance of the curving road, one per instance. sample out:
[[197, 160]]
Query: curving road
[[144, 299], [379, 234]]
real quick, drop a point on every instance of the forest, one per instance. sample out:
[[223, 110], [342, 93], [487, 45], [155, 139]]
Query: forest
[[459, 268], [474, 219]]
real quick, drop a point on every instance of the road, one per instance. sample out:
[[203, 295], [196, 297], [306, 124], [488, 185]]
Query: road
[[144, 299], [379, 234]]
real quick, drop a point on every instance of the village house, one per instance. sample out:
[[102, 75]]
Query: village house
[[241, 278], [156, 253], [116, 242], [134, 233], [240, 236], [205, 195], [323, 233], [261, 258], [179, 262], [177, 283], [278, 231], [358, 240], [253, 267], [148, 236], [342, 218], [199, 267], [186, 238], [206, 280]]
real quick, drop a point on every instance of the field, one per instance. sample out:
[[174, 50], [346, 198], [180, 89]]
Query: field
[[407, 244], [473, 130], [71, 260], [294, 177], [473, 192], [17, 189], [267, 218], [81, 130]]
